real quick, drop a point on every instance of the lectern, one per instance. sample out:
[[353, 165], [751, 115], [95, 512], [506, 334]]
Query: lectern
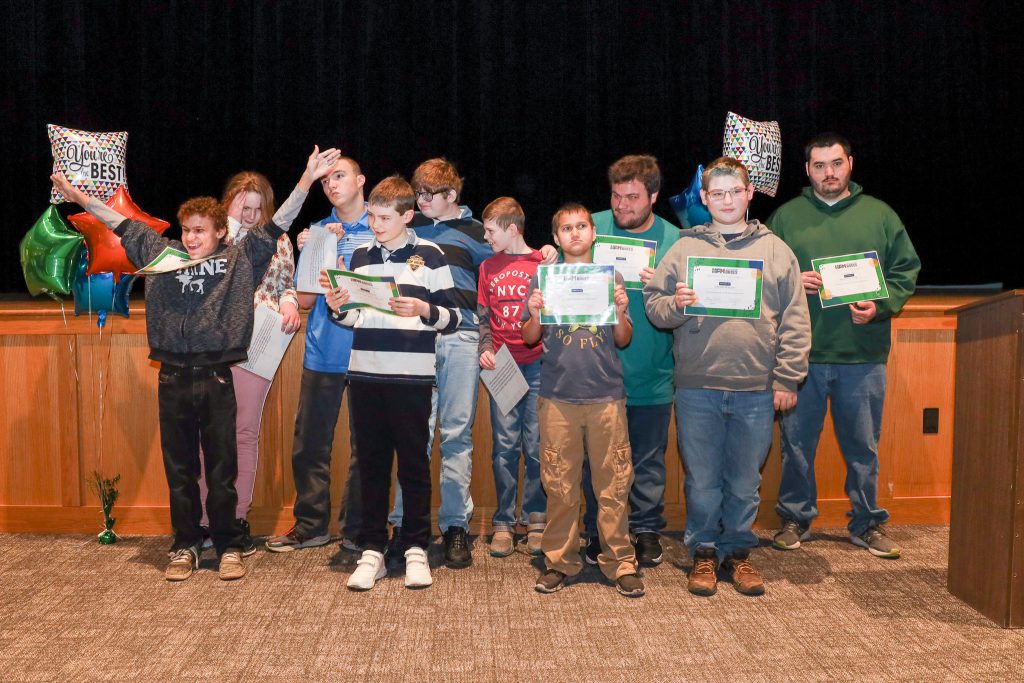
[[986, 526]]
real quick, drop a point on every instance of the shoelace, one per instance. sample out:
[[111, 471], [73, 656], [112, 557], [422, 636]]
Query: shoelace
[[459, 541], [704, 565], [790, 525], [177, 555], [743, 567]]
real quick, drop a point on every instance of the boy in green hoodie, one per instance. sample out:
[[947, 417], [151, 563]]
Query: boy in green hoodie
[[850, 344]]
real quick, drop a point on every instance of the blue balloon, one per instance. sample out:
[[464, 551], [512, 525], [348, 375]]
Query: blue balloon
[[687, 205], [99, 293]]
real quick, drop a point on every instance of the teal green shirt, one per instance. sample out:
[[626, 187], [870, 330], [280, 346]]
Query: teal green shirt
[[858, 223], [647, 359]]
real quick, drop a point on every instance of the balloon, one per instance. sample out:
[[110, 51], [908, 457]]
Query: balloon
[[687, 204], [99, 293], [758, 146], [106, 255], [48, 253], [92, 162]]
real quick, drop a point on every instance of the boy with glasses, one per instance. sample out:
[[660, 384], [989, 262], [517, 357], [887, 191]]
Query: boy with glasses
[[731, 375]]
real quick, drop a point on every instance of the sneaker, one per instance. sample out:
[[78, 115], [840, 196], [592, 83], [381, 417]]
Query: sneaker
[[744, 576], [502, 543], [248, 545], [207, 539], [417, 569], [790, 535], [630, 585], [648, 549], [535, 532], [183, 563], [550, 581], [593, 549], [231, 566], [293, 540], [350, 545], [369, 569], [877, 543], [703, 580], [456, 548]]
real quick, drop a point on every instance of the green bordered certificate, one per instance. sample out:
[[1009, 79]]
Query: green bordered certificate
[[726, 288], [364, 291], [627, 254], [168, 260], [850, 278], [577, 293]]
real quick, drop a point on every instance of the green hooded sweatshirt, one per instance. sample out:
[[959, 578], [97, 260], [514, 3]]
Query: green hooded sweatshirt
[[858, 223]]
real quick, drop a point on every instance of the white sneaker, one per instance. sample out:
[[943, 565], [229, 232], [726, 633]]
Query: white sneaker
[[417, 569], [369, 569]]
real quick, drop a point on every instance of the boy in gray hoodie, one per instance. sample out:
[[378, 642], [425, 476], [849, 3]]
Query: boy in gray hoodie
[[734, 369]]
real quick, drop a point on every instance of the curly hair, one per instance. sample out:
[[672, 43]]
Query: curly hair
[[207, 207]]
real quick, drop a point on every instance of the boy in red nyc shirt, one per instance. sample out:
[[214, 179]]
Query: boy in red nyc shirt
[[501, 291]]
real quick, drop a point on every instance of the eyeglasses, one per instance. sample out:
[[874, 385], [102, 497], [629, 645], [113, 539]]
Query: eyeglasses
[[428, 196], [719, 195]]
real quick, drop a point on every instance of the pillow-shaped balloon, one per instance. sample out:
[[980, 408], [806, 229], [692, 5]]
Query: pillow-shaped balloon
[[92, 162], [758, 146]]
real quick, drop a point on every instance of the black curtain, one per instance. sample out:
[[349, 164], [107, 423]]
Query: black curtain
[[532, 99]]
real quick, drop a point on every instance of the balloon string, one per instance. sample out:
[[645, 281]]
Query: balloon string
[[71, 346]]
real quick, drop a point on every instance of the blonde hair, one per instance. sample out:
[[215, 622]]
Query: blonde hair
[[724, 166]]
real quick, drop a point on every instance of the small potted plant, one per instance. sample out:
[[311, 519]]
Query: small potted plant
[[106, 489]]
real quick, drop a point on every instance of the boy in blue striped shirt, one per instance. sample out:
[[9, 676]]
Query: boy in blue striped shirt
[[391, 375]]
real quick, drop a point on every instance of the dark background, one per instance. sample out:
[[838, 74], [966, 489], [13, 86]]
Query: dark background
[[532, 99]]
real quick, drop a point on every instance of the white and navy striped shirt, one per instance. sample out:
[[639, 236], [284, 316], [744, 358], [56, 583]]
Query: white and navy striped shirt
[[391, 348]]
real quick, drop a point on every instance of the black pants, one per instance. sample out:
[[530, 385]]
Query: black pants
[[319, 404], [197, 405], [389, 418]]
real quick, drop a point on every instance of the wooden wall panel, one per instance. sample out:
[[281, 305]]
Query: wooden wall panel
[[108, 421]]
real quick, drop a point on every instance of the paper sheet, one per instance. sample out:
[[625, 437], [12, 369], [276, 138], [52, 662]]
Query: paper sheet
[[268, 343], [319, 251], [505, 382]]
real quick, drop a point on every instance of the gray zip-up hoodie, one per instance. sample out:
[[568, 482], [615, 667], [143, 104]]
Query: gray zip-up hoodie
[[735, 354]]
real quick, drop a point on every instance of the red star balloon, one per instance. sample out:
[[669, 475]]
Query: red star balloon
[[106, 255]]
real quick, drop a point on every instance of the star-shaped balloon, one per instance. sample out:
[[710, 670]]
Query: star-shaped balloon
[[106, 255], [687, 204], [48, 253], [99, 293]]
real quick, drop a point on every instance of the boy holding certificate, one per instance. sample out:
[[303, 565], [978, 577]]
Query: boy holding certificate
[[582, 409], [391, 375], [732, 295], [503, 286]]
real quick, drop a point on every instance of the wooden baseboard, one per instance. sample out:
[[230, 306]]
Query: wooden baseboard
[[44, 519]]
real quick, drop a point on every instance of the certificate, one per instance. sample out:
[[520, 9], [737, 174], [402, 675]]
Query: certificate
[[506, 381], [850, 278], [268, 343], [577, 293], [364, 291], [320, 251], [168, 260], [628, 255], [726, 288]]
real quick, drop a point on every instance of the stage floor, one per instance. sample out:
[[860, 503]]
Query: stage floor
[[73, 610]]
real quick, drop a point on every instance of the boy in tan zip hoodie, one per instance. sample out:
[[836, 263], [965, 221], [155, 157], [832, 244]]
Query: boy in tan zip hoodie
[[734, 369]]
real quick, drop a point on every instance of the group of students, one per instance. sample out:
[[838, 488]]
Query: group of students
[[594, 421]]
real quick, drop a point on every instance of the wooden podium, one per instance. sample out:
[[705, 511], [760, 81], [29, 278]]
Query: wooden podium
[[986, 528]]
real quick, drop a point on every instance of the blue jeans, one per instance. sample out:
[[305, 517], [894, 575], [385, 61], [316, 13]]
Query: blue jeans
[[648, 437], [515, 433], [857, 393], [454, 403], [724, 437]]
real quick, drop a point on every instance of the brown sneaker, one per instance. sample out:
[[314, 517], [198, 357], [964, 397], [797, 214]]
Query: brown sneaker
[[231, 566], [183, 563], [703, 580], [744, 576]]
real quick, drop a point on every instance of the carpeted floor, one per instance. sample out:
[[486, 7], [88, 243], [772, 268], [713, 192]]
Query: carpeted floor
[[71, 610]]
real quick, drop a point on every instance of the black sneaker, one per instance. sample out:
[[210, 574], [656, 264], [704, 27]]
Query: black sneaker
[[456, 548], [593, 550], [550, 581], [394, 554], [248, 545], [648, 549]]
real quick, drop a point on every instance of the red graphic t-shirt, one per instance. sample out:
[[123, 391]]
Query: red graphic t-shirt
[[504, 280]]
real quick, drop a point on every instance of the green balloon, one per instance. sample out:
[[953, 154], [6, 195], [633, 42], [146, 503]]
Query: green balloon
[[48, 254]]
